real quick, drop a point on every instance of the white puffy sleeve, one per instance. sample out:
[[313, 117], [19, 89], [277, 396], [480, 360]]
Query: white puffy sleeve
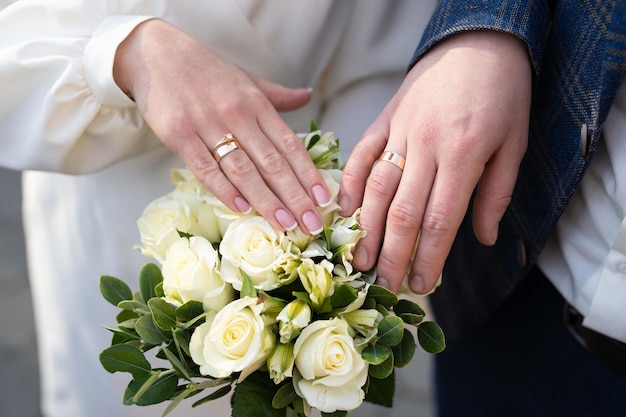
[[60, 109]]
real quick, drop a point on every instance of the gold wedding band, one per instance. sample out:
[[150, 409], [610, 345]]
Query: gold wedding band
[[395, 158], [225, 146]]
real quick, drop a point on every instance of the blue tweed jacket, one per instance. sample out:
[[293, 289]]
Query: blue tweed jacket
[[578, 53]]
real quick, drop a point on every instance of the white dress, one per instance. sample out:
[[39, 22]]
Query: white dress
[[62, 113]]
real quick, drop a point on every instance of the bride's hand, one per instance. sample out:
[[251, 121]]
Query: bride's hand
[[191, 98]]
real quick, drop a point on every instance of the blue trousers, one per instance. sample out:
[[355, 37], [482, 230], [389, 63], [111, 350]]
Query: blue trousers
[[523, 362]]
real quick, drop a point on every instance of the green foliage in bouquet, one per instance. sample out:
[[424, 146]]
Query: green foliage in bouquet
[[221, 318]]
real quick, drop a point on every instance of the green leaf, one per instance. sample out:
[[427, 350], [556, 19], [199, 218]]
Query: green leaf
[[181, 338], [138, 307], [338, 413], [344, 295], [189, 311], [120, 338], [302, 295], [162, 313], [366, 340], [247, 287], [148, 331], [285, 395], [122, 331], [381, 391], [327, 234], [382, 310], [376, 354], [125, 358], [126, 315], [184, 234], [177, 364], [404, 351], [383, 370], [219, 393], [408, 306], [149, 276], [158, 290], [390, 330], [313, 127], [431, 337], [253, 397], [128, 324], [382, 296], [155, 389], [114, 290], [409, 312], [195, 320], [369, 304]]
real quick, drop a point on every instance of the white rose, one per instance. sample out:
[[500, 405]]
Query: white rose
[[252, 246], [292, 319], [330, 372], [191, 272], [323, 148], [317, 279], [159, 225], [344, 238], [332, 179], [233, 340], [213, 217]]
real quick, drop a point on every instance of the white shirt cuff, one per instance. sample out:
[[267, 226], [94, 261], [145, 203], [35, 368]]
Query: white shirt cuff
[[100, 55]]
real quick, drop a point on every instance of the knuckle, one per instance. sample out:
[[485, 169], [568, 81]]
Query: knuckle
[[273, 164], [238, 168], [437, 223], [403, 216], [378, 186]]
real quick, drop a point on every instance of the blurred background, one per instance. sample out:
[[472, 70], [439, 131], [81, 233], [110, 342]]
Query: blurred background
[[19, 375]]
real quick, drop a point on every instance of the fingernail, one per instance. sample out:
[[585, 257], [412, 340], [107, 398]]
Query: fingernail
[[360, 256], [493, 236], [242, 205], [344, 202], [382, 282], [417, 284], [312, 223], [286, 220], [321, 196]]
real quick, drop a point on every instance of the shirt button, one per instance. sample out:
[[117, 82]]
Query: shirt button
[[621, 267]]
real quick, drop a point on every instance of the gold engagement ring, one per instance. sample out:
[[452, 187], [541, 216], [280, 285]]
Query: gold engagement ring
[[225, 146]]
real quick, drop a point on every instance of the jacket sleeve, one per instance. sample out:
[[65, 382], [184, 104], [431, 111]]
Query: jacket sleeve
[[61, 109], [527, 19]]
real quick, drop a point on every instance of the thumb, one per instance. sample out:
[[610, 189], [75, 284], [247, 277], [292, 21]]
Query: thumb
[[282, 98]]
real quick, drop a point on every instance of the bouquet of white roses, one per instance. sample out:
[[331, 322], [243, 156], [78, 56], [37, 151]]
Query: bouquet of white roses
[[281, 318]]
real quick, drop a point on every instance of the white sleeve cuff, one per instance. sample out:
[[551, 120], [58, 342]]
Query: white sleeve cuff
[[99, 57]]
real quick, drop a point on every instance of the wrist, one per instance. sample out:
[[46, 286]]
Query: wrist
[[126, 63]]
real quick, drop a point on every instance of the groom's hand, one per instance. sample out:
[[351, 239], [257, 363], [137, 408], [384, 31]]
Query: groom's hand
[[461, 119]]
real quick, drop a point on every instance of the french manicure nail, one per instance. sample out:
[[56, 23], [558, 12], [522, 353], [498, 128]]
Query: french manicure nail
[[312, 223], [286, 220], [242, 205], [322, 198]]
